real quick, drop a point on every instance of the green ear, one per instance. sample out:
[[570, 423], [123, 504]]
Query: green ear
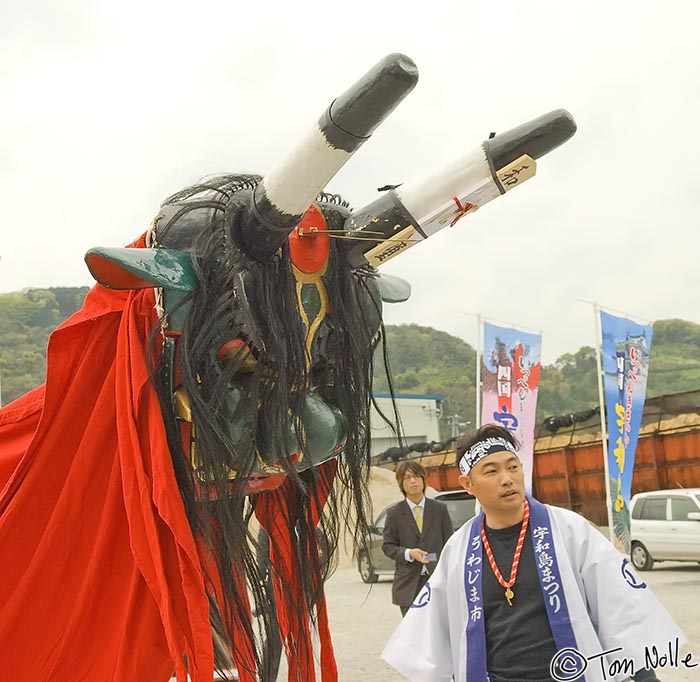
[[394, 289], [117, 268]]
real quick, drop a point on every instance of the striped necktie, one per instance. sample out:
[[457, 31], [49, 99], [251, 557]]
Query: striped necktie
[[418, 513]]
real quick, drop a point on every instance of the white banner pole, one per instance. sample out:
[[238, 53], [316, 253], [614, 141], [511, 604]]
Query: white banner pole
[[603, 425], [477, 423]]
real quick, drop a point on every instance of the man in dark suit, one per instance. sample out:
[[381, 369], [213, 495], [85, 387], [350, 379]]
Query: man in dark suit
[[415, 532]]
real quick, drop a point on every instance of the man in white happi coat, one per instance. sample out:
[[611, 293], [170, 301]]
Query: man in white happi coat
[[525, 592]]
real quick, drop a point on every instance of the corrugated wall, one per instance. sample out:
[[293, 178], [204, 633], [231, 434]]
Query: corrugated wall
[[573, 476], [568, 464]]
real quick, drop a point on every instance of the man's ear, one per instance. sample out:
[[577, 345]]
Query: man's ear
[[466, 483]]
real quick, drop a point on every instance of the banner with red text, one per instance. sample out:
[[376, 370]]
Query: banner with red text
[[510, 380], [626, 348]]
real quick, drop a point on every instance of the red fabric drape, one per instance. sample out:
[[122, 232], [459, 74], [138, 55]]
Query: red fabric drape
[[99, 578], [244, 654], [274, 513]]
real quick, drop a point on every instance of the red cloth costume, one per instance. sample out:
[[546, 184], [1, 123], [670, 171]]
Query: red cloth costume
[[100, 578]]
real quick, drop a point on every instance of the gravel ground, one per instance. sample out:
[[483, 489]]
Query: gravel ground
[[362, 619]]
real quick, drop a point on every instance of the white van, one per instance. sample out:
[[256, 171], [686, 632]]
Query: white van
[[665, 526]]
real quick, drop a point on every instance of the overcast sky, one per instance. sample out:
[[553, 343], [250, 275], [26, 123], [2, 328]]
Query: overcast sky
[[108, 107]]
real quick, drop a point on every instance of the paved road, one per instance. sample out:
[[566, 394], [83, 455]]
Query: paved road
[[362, 620]]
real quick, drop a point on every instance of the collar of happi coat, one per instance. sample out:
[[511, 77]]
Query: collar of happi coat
[[550, 583]]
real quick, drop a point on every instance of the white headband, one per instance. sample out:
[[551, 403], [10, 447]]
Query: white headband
[[481, 449]]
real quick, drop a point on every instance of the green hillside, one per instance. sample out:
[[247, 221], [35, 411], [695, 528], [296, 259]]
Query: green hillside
[[422, 359], [26, 320], [425, 360]]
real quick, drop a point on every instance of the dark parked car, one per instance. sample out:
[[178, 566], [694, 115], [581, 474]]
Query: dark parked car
[[374, 563], [460, 505]]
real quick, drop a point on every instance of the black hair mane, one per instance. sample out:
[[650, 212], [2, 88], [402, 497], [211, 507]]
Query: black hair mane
[[277, 386]]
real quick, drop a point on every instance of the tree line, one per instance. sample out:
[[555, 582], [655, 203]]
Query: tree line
[[26, 320], [421, 359], [425, 360]]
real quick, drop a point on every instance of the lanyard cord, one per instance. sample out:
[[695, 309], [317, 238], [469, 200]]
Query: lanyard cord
[[516, 557]]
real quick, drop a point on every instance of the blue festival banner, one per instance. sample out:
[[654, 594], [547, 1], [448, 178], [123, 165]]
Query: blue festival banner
[[510, 383], [626, 349]]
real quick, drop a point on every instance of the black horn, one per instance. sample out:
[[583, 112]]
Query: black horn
[[287, 191], [412, 212]]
